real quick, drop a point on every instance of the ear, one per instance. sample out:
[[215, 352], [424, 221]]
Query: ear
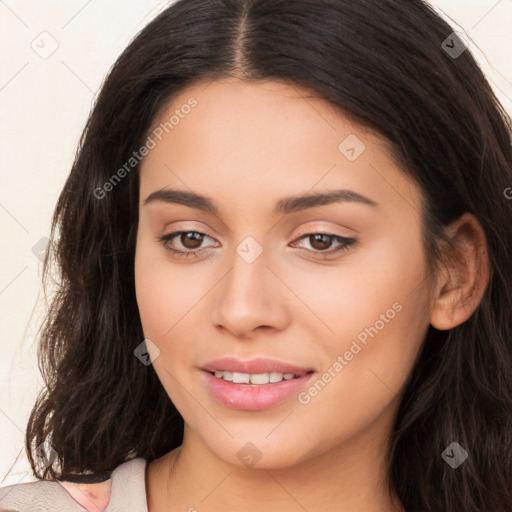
[[464, 276]]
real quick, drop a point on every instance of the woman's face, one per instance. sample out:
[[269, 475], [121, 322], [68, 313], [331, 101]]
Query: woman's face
[[273, 275]]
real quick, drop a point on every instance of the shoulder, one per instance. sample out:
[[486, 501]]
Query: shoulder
[[126, 485], [43, 496]]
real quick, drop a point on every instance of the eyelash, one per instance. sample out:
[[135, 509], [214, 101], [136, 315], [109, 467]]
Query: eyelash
[[345, 242]]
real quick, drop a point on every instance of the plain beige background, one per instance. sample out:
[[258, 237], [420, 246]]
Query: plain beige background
[[54, 57]]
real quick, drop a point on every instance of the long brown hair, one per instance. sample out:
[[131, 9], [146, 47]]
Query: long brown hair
[[384, 64]]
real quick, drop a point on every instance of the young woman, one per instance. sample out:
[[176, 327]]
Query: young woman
[[285, 282]]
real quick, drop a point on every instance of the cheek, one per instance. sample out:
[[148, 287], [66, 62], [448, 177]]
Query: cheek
[[373, 311], [366, 366], [369, 376], [150, 293], [354, 293], [165, 291], [164, 299]]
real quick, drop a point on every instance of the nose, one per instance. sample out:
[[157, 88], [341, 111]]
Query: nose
[[250, 297]]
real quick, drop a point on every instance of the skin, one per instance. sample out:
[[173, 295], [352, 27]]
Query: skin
[[245, 146], [94, 497]]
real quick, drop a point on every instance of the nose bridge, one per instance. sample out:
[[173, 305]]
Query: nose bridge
[[246, 288], [250, 295]]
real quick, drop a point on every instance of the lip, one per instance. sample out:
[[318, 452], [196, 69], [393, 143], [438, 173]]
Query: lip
[[257, 365], [254, 397]]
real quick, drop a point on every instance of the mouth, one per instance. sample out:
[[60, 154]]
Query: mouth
[[255, 384], [254, 391]]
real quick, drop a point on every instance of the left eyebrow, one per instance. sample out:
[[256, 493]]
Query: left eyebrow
[[283, 206], [303, 202]]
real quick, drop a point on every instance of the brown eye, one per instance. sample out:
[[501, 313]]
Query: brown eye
[[320, 241], [185, 243], [325, 244], [191, 239]]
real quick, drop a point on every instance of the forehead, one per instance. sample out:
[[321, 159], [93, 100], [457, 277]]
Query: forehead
[[267, 137]]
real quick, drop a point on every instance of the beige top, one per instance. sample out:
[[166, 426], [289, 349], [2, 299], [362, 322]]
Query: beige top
[[124, 491]]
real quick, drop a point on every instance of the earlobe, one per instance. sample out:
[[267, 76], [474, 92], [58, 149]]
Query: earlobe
[[465, 275]]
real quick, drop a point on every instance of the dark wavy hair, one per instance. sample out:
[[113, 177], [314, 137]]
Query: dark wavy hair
[[383, 64]]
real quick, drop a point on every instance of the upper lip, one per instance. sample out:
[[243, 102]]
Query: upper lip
[[254, 366]]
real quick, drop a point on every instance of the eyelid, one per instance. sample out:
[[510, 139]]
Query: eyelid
[[183, 227], [322, 230]]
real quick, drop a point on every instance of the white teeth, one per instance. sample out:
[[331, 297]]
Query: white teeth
[[254, 378], [276, 377], [259, 378], [240, 378], [225, 375]]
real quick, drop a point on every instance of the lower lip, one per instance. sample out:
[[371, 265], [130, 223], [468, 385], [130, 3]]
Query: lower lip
[[254, 397]]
